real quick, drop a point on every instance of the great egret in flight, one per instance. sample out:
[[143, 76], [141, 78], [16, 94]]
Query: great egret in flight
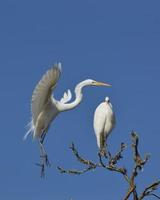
[[104, 122], [45, 107]]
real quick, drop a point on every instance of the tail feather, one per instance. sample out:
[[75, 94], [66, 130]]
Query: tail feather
[[31, 128]]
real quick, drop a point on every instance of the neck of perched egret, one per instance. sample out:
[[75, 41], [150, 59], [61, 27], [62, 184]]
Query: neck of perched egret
[[78, 97]]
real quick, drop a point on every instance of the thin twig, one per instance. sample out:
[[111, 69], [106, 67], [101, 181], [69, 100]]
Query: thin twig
[[158, 197], [79, 158], [75, 172], [148, 190]]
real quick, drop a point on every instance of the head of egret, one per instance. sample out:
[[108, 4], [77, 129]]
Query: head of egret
[[107, 100], [91, 82]]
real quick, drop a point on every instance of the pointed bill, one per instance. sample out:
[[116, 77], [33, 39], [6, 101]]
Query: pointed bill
[[102, 84]]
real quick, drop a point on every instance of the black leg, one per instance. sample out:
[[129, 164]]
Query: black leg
[[43, 155]]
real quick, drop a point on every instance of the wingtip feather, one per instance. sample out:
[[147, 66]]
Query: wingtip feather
[[58, 65]]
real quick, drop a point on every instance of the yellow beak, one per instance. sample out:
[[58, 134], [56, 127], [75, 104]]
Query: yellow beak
[[102, 84]]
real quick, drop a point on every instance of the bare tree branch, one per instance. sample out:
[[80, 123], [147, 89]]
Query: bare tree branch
[[110, 163], [129, 193], [79, 158], [74, 172]]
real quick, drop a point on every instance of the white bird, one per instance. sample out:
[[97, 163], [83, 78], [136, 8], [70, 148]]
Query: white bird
[[45, 107], [104, 122]]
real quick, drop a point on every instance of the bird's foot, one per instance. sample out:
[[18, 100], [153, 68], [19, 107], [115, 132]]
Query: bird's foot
[[103, 153]]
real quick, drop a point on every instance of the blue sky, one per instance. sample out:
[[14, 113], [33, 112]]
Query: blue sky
[[112, 41]]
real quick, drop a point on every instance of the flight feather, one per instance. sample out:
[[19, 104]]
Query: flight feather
[[43, 91]]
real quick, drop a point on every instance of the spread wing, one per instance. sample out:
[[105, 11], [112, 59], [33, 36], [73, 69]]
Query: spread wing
[[43, 90]]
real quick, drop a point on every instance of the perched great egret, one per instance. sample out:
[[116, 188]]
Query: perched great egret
[[45, 107], [104, 122]]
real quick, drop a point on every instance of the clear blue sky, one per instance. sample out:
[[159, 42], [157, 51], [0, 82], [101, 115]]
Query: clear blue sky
[[111, 41]]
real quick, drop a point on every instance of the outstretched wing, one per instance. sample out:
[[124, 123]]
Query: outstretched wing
[[66, 97], [43, 90]]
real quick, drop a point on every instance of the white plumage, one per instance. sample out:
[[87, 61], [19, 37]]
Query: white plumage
[[45, 107], [104, 122], [42, 106]]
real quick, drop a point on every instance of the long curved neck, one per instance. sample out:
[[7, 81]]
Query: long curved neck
[[78, 98]]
